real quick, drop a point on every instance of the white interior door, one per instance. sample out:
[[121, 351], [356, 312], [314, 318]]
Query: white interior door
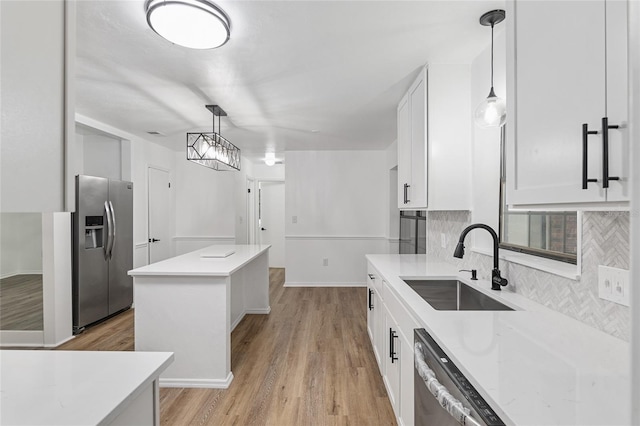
[[271, 220], [159, 215], [251, 211]]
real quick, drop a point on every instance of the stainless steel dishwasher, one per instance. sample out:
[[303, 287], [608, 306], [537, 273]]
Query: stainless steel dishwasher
[[443, 396]]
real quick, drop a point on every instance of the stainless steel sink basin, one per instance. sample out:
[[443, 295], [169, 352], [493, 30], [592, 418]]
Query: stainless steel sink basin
[[453, 295]]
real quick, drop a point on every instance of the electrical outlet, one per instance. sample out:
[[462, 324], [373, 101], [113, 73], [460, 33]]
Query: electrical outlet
[[613, 285], [294, 219], [443, 240], [325, 262]]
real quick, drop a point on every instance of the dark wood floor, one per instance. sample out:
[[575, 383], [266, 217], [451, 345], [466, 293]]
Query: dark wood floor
[[309, 362], [21, 302]]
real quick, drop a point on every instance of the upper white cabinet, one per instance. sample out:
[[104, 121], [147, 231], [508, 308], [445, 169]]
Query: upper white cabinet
[[566, 83], [434, 140]]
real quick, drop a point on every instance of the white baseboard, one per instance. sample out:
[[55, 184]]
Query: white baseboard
[[55, 345], [197, 383], [303, 284]]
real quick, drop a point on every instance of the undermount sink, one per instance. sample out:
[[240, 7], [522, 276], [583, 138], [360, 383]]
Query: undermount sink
[[453, 295]]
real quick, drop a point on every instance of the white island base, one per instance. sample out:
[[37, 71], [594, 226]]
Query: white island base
[[189, 305]]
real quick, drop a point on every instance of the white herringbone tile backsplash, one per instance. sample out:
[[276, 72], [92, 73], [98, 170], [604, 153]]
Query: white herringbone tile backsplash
[[605, 241]]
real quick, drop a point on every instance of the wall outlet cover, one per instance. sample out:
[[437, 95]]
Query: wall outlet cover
[[613, 285]]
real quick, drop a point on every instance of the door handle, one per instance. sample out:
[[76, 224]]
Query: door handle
[[263, 229], [107, 247], [406, 193], [153, 240], [585, 154], [113, 229], [605, 152], [392, 345]]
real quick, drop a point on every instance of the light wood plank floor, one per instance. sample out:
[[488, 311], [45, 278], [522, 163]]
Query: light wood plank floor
[[21, 302], [309, 362]]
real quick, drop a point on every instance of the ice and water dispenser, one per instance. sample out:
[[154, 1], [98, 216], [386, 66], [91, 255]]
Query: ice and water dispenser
[[93, 232]]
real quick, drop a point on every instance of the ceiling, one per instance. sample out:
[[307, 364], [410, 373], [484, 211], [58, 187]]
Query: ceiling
[[295, 75]]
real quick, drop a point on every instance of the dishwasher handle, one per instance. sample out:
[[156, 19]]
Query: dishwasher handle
[[445, 399]]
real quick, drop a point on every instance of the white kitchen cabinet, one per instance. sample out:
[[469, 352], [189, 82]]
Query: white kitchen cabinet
[[390, 327], [412, 145], [391, 359], [374, 315], [571, 73], [434, 133]]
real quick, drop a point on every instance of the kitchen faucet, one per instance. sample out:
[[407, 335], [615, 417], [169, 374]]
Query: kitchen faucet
[[496, 280]]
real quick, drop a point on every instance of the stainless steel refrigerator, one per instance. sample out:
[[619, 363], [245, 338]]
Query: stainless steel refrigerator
[[102, 249]]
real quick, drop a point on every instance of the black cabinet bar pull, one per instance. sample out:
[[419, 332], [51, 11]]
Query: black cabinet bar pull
[[585, 149], [605, 152], [371, 277], [406, 193], [370, 299], [392, 345]]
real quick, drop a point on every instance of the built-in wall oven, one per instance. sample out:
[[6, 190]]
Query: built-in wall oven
[[443, 396]]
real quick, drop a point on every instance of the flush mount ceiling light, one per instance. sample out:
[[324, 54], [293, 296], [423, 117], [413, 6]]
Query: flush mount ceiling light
[[197, 24], [270, 158], [492, 112], [211, 149]]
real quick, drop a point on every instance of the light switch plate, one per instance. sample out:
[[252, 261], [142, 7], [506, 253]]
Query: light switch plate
[[613, 284]]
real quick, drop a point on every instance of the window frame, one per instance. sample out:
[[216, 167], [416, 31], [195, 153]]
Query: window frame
[[503, 208]]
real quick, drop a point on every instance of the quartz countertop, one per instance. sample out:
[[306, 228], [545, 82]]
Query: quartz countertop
[[534, 366], [73, 387], [193, 264]]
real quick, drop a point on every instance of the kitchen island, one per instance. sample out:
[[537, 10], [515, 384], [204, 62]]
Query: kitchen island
[[534, 366], [80, 387], [189, 305]]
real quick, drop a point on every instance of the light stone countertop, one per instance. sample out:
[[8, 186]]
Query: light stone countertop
[[534, 366], [73, 387], [192, 264]]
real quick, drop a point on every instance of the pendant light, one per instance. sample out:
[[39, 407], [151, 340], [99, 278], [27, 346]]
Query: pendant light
[[211, 149], [492, 112], [196, 24]]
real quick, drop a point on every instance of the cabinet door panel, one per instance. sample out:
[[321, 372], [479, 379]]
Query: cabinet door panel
[[559, 64], [404, 150], [418, 111], [617, 93], [392, 369]]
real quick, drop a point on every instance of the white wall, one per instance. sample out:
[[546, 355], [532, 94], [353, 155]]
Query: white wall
[[33, 105], [340, 202], [205, 202], [486, 142], [102, 156], [20, 244], [393, 218]]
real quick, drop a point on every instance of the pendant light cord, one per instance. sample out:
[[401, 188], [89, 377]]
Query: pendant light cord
[[492, 55]]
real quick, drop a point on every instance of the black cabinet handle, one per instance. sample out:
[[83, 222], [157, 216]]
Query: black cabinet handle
[[406, 193], [392, 345], [585, 149], [605, 152], [370, 299], [371, 276]]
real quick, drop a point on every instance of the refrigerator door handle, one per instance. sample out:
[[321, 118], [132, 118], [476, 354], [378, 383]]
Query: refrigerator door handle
[[107, 246], [113, 229]]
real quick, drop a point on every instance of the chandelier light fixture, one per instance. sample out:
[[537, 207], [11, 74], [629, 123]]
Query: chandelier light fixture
[[196, 24], [211, 149], [492, 112]]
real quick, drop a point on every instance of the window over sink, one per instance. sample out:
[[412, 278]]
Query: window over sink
[[553, 235]]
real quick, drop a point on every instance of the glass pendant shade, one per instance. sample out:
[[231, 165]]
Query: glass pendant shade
[[196, 24], [492, 112]]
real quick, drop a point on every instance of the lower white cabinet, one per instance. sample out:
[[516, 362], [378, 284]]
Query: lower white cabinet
[[391, 360], [390, 326]]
